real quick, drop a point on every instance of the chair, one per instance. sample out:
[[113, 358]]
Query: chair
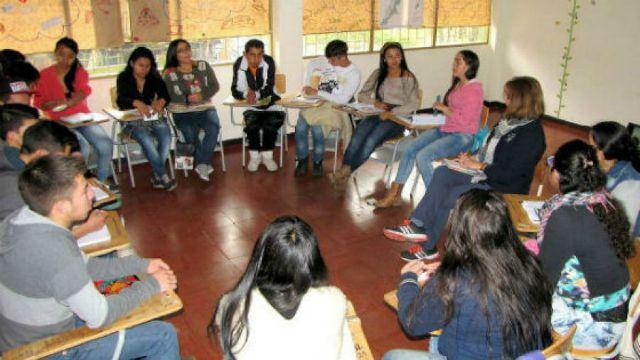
[[158, 306], [120, 140], [281, 143], [561, 344], [363, 352]]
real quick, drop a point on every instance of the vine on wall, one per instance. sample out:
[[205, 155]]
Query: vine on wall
[[566, 55]]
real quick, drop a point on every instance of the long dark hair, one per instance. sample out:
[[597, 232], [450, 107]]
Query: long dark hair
[[285, 263], [142, 52], [172, 53], [483, 246], [616, 143], [384, 68], [577, 164], [70, 77], [473, 62]]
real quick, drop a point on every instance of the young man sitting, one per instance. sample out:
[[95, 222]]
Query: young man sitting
[[43, 138], [15, 119], [254, 78], [18, 83], [46, 282], [335, 79]]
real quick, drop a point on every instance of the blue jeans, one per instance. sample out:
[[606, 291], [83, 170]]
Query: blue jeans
[[152, 340], [302, 140], [369, 134], [190, 125], [432, 213], [157, 155], [429, 146], [94, 135]]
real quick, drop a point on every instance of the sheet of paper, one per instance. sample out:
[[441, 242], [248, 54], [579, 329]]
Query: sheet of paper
[[454, 165], [365, 108], [532, 208], [99, 193], [428, 119], [84, 117], [95, 237], [307, 100]]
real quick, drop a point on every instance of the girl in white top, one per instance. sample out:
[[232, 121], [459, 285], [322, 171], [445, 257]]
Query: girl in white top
[[282, 307]]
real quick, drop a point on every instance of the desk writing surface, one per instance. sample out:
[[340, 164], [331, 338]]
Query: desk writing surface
[[363, 352], [157, 306], [518, 215], [84, 123], [109, 199], [123, 115], [293, 103], [119, 237]]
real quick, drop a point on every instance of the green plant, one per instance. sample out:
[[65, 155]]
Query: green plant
[[566, 55]]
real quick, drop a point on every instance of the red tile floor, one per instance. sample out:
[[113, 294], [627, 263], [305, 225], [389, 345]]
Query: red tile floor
[[206, 232]]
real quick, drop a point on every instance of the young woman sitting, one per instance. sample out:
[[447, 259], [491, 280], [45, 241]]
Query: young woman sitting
[[392, 89], [505, 163], [619, 158], [140, 87], [282, 306], [584, 242], [489, 295], [462, 108]]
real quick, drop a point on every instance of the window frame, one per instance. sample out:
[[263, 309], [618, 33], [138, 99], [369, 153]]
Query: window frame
[[434, 37]]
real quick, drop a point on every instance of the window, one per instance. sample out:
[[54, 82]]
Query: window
[[444, 23], [217, 30]]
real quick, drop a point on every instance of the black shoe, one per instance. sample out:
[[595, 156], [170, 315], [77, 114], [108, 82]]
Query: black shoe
[[317, 169], [418, 253], [156, 183], [169, 185], [113, 188], [301, 167]]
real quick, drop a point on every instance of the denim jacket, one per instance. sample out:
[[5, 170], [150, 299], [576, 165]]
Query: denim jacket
[[623, 181]]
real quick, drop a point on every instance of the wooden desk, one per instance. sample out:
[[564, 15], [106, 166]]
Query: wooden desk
[[111, 197], [84, 123], [181, 108], [363, 352], [158, 306], [292, 103], [519, 217], [123, 115], [394, 118], [119, 237]]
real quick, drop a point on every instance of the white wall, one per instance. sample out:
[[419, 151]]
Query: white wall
[[603, 73], [432, 66]]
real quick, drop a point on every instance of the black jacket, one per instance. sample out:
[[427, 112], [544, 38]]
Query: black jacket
[[515, 159], [258, 83], [127, 90]]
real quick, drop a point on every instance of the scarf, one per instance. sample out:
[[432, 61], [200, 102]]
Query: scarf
[[588, 199]]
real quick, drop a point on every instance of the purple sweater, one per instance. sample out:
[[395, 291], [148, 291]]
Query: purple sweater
[[466, 104]]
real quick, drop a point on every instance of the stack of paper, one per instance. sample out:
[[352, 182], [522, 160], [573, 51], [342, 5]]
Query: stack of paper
[[307, 99], [83, 117], [532, 208], [365, 108], [95, 237], [428, 119]]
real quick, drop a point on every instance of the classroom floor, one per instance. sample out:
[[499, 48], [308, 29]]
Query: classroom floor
[[206, 232]]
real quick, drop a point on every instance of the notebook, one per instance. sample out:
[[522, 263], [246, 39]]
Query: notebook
[[532, 208], [96, 237], [364, 108], [454, 165]]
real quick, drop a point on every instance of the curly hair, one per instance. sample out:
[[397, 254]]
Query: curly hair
[[577, 164]]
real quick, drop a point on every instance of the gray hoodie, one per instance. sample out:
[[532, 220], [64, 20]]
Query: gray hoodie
[[46, 281]]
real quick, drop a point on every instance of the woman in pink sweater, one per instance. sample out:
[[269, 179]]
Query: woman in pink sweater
[[62, 91], [462, 108]]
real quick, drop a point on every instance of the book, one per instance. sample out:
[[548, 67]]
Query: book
[[532, 208], [96, 237], [454, 165], [364, 108]]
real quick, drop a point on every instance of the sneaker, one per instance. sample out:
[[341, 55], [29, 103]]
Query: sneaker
[[209, 169], [254, 161], [156, 183], [113, 188], [301, 167], [408, 232], [317, 169], [418, 253], [168, 183], [202, 171], [267, 160]]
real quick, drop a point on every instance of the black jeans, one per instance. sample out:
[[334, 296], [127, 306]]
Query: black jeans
[[267, 121]]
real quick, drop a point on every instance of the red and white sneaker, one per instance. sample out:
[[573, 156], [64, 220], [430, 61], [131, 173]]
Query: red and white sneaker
[[418, 253], [405, 232]]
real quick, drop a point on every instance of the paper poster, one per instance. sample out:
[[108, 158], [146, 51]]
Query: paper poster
[[31, 26], [96, 23], [400, 13], [149, 20]]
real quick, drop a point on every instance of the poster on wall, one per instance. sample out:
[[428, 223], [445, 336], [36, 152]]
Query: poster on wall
[[46, 24], [149, 20], [400, 13], [96, 23]]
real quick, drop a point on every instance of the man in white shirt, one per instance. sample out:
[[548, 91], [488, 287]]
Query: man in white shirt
[[334, 79]]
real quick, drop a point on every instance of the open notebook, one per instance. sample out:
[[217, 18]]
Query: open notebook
[[532, 208], [95, 237]]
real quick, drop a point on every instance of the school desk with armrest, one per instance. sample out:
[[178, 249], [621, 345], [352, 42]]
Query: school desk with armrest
[[158, 306], [119, 237], [363, 352]]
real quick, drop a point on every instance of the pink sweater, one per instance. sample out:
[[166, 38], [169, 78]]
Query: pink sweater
[[49, 88], [466, 104]]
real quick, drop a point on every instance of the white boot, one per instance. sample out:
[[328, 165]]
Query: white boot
[[267, 160], [254, 160]]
